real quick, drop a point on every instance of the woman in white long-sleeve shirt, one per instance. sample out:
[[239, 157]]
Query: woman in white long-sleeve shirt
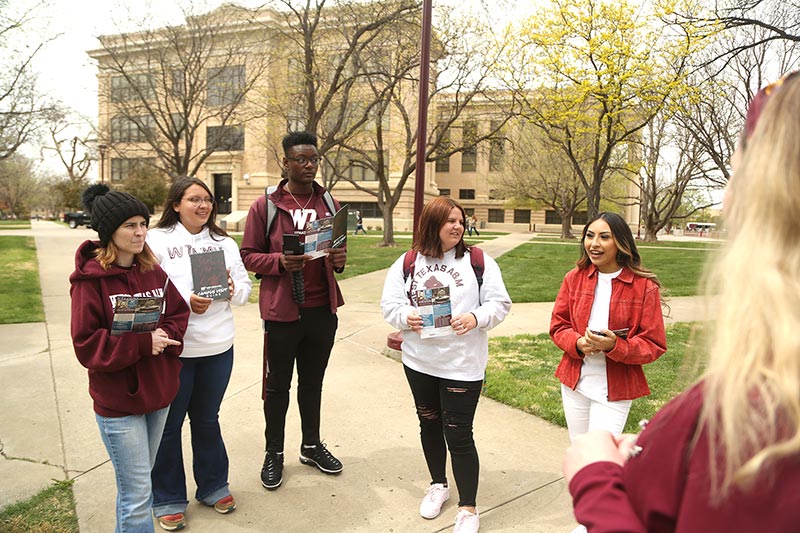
[[187, 226], [446, 370]]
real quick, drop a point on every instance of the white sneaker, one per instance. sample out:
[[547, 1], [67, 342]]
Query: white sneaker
[[580, 529], [466, 522], [435, 496]]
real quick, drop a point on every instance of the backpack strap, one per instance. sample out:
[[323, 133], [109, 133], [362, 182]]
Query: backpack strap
[[409, 263], [477, 262]]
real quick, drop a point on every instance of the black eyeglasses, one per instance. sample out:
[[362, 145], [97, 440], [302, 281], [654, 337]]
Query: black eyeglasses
[[303, 161]]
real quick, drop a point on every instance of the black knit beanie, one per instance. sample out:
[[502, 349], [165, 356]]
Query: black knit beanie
[[110, 209]]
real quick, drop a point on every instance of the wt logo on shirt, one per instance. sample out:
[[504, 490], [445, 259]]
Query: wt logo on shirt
[[301, 217]]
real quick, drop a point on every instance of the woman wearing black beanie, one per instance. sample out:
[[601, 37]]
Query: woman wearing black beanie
[[132, 364]]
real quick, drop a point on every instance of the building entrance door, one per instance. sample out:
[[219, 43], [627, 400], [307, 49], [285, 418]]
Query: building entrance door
[[222, 193]]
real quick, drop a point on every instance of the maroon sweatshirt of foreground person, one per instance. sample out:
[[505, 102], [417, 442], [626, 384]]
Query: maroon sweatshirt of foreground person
[[124, 377], [666, 488]]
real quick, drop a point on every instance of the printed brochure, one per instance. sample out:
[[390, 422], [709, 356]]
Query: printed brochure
[[324, 233], [137, 314], [209, 274], [434, 308]]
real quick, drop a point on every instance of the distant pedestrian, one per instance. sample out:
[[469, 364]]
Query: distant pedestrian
[[359, 224], [133, 376], [472, 225], [446, 373]]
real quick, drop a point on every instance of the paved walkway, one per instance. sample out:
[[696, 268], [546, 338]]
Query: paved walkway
[[48, 431]]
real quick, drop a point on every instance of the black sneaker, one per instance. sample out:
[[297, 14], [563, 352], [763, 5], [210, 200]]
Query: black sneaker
[[320, 457], [272, 471]]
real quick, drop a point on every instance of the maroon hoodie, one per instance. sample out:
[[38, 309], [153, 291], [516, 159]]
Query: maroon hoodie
[[124, 377]]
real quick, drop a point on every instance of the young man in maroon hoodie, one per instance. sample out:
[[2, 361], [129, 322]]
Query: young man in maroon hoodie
[[298, 299]]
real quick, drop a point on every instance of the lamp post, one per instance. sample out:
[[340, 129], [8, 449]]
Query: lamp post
[[103, 148]]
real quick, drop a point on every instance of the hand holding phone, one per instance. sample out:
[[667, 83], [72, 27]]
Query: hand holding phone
[[621, 333]]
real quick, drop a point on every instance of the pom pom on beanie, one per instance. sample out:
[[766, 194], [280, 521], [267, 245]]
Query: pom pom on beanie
[[110, 209]]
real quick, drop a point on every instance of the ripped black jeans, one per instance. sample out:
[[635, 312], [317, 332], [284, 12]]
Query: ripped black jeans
[[446, 409]]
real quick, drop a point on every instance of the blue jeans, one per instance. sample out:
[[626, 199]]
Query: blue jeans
[[132, 443], [203, 384]]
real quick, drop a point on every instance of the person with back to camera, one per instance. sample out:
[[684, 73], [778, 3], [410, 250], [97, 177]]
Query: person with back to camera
[[133, 376], [188, 226], [446, 373], [725, 454], [302, 332]]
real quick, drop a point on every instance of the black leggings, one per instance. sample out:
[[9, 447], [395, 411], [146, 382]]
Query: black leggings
[[309, 341], [446, 409]]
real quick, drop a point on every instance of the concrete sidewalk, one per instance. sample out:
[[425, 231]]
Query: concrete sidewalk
[[48, 431]]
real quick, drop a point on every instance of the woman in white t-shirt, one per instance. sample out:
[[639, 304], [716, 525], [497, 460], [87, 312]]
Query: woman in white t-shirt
[[608, 320], [445, 353]]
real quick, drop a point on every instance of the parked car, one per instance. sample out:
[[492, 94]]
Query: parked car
[[78, 218]]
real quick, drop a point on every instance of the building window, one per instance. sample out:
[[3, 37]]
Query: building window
[[225, 85], [222, 138], [443, 164], [578, 218], [522, 216], [466, 194], [368, 209], [444, 192], [497, 215], [136, 86], [131, 130], [469, 157], [121, 168], [178, 82], [494, 194], [496, 155]]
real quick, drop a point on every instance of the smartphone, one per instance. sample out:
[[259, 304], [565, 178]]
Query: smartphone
[[621, 333]]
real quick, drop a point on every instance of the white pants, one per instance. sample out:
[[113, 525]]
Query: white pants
[[585, 414]]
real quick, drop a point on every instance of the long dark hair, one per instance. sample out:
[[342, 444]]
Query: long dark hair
[[170, 217], [433, 217], [628, 254]]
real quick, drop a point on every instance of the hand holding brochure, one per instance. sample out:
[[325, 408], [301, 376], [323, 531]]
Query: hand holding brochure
[[434, 308], [324, 233], [209, 274]]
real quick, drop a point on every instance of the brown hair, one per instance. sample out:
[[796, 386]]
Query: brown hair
[[170, 217], [434, 215], [628, 254]]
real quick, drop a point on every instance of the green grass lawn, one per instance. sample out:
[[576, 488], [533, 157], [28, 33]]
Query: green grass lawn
[[533, 271], [50, 511], [15, 224], [520, 374], [20, 293]]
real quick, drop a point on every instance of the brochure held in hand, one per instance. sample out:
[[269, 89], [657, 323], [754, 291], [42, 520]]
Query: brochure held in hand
[[324, 233], [434, 308], [209, 275]]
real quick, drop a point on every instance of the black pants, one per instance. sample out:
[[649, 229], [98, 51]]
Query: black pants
[[446, 409], [309, 341]]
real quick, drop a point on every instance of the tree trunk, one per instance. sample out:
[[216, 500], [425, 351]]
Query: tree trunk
[[566, 227], [388, 229]]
